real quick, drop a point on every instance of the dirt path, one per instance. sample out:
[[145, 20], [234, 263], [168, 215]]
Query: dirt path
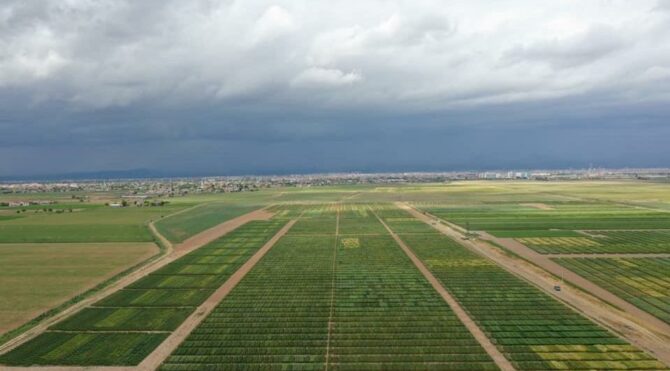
[[543, 261], [174, 252], [622, 323], [538, 205], [158, 356], [474, 329], [609, 255], [219, 230]]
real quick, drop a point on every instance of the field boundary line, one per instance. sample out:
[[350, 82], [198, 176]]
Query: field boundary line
[[332, 291], [142, 271], [170, 344], [479, 335], [604, 314]]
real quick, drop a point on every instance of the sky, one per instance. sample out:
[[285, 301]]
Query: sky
[[253, 87]]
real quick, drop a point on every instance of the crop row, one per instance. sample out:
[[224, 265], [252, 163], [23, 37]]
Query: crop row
[[603, 242], [387, 316], [355, 302], [644, 282], [532, 329], [159, 302], [573, 217], [276, 316]]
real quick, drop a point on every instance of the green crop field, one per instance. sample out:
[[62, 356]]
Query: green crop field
[[644, 282], [572, 215], [337, 292], [179, 227], [532, 329], [651, 241], [86, 223], [353, 302]]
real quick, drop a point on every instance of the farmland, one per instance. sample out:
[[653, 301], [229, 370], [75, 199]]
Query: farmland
[[86, 223], [338, 292], [182, 225], [318, 301], [150, 305], [603, 242], [36, 277], [644, 282], [532, 329]]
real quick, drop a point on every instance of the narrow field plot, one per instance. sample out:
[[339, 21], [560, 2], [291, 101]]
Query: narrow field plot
[[314, 226], [368, 224], [643, 282], [576, 215], [125, 319], [37, 277], [596, 241], [156, 298], [537, 233], [85, 349], [520, 319]]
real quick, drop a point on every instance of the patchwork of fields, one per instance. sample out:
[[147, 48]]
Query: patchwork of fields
[[532, 329], [337, 292], [136, 319], [35, 277]]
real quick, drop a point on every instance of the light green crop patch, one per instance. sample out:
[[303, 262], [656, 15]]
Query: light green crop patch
[[351, 243]]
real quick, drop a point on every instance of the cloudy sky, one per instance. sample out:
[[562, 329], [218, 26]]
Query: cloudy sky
[[243, 87]]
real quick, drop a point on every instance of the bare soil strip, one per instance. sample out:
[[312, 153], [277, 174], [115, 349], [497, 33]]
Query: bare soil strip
[[547, 264], [332, 292], [608, 255], [174, 253], [538, 205], [156, 358], [615, 319], [474, 329]]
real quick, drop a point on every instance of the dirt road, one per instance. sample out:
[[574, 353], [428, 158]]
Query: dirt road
[[613, 318], [173, 253], [608, 255], [543, 261], [470, 324]]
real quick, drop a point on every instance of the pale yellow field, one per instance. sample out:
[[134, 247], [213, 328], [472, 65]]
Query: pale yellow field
[[37, 277]]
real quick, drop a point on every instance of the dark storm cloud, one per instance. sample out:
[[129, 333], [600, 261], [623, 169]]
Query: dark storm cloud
[[244, 87]]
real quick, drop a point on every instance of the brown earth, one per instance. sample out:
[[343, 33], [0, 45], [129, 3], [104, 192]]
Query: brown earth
[[637, 332]]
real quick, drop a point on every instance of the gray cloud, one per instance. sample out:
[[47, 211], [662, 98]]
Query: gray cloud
[[160, 78]]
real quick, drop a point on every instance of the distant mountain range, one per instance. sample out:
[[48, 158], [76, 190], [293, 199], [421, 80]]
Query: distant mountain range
[[95, 175]]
